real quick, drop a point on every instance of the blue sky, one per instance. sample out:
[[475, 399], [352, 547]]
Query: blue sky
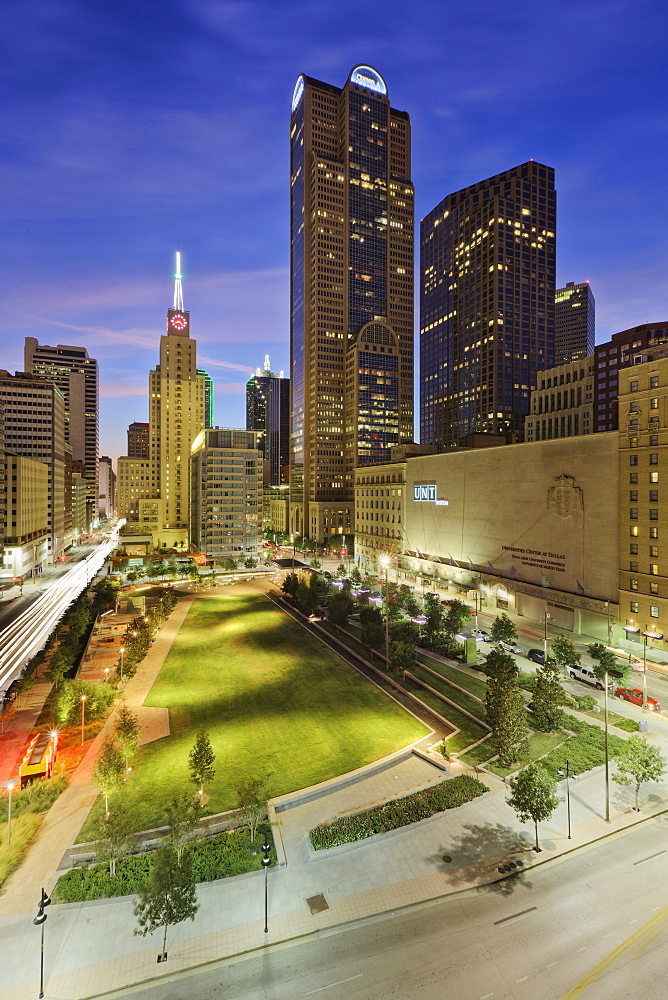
[[134, 129]]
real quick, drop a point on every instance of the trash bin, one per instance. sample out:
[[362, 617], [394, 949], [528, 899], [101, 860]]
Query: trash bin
[[643, 726]]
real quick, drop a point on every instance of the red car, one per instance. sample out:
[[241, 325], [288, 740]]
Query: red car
[[635, 695]]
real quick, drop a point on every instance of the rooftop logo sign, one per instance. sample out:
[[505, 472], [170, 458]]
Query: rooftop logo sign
[[427, 494]]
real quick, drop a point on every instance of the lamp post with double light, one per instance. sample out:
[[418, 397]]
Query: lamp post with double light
[[10, 785], [39, 921], [385, 561], [266, 861]]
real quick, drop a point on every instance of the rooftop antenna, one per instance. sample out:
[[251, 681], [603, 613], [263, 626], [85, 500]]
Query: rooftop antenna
[[178, 291], [267, 366]]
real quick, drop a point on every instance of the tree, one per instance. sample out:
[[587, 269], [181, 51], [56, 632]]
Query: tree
[[306, 598], [115, 837], [548, 697], [638, 762], [169, 896], [183, 817], [108, 771], [7, 715], [605, 661], [533, 795], [60, 663], [315, 563], [402, 655], [503, 629], [252, 797], [290, 584], [230, 564], [434, 613], [373, 628], [403, 631], [127, 731], [340, 571], [340, 609], [201, 761], [564, 651], [510, 729], [459, 613], [502, 671]]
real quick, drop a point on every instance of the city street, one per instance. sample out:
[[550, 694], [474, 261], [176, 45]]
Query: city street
[[598, 917]]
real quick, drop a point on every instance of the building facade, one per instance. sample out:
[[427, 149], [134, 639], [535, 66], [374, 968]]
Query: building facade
[[351, 326], [34, 423], [26, 549], [208, 397], [622, 351], [134, 483], [574, 323], [486, 304], [226, 494], [268, 413], [138, 440], [106, 488], [76, 376], [562, 404]]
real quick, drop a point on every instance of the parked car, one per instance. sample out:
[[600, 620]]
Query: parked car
[[481, 635], [587, 675], [510, 647], [537, 655], [634, 695]]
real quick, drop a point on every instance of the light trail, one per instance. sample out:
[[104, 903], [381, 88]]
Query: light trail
[[26, 635]]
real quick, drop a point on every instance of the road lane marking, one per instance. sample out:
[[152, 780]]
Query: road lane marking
[[329, 987], [522, 979], [583, 949], [514, 916], [650, 858], [651, 925], [550, 965], [487, 996]]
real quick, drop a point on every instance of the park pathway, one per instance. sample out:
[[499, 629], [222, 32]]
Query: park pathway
[[68, 814]]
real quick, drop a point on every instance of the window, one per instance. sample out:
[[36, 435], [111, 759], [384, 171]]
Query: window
[[653, 532], [634, 607], [633, 584], [633, 495], [653, 569], [654, 611], [653, 514], [633, 477], [653, 496], [654, 403], [633, 548], [654, 589], [633, 459], [653, 458], [633, 567], [654, 382], [654, 477], [634, 530], [633, 513], [633, 387], [654, 551], [654, 439]]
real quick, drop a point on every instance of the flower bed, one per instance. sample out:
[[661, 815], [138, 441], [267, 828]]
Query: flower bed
[[420, 805], [221, 856]]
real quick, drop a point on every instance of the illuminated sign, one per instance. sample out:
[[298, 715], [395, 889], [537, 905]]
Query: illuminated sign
[[365, 76], [427, 494], [297, 92]]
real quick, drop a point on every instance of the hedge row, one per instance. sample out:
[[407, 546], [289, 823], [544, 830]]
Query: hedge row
[[221, 856], [584, 750], [420, 805]]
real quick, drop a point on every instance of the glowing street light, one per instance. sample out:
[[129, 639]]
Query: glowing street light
[[10, 786], [122, 652], [83, 706], [385, 561], [39, 921]]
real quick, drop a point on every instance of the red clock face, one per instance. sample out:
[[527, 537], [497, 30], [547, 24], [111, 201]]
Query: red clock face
[[179, 322]]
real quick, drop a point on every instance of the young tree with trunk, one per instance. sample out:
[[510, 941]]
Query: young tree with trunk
[[402, 655], [502, 671], [373, 628], [339, 609], [637, 762], [127, 731], [201, 761], [115, 837], [183, 817], [108, 771], [503, 629], [510, 729], [564, 652], [533, 795], [605, 661], [548, 697], [458, 614], [252, 797], [169, 896]]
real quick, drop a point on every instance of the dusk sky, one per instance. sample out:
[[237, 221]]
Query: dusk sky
[[134, 129]]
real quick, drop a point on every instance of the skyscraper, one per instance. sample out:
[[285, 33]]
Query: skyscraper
[[486, 304], [351, 328], [268, 412], [76, 376], [138, 437], [208, 397], [574, 323]]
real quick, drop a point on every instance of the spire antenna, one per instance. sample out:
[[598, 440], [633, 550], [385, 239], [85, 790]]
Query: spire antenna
[[267, 366], [178, 291]]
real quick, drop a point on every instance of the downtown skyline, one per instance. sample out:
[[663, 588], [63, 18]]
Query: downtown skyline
[[120, 150]]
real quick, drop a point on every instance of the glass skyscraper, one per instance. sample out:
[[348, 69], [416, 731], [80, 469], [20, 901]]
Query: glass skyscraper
[[351, 292], [486, 304], [574, 323]]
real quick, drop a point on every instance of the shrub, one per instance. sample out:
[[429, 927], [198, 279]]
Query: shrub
[[585, 702], [36, 798], [221, 856], [24, 829], [584, 750], [420, 805]]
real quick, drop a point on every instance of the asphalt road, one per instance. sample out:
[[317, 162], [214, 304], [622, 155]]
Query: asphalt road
[[592, 925]]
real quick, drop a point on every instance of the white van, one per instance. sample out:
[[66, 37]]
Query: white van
[[587, 675]]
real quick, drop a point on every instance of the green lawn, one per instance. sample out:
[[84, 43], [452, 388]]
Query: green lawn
[[273, 699], [472, 684]]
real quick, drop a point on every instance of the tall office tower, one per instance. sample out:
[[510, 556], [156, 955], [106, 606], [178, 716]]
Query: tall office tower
[[34, 419], [76, 376], [574, 323], [351, 327], [268, 412], [621, 351], [486, 304], [208, 397], [107, 488], [138, 437], [176, 417]]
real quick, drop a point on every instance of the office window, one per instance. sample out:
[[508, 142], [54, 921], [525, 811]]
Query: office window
[[633, 584], [653, 514], [633, 387], [633, 513], [634, 530], [654, 403], [633, 567], [633, 477], [633, 495], [653, 569], [654, 551], [654, 477], [653, 458], [633, 459], [654, 611], [654, 589], [653, 496], [653, 532], [654, 382], [653, 439], [633, 549], [634, 607]]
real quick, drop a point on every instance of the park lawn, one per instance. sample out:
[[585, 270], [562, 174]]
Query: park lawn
[[471, 684], [539, 745], [275, 702], [441, 685]]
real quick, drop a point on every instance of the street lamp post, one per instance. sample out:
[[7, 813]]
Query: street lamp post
[[647, 634], [39, 921], [10, 785], [568, 773], [122, 652], [547, 618], [385, 563], [613, 673], [83, 706], [266, 861], [607, 608]]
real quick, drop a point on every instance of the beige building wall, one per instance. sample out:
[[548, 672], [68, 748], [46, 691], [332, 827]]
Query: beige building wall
[[380, 503], [27, 515], [562, 404], [134, 483], [643, 507], [532, 525]]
